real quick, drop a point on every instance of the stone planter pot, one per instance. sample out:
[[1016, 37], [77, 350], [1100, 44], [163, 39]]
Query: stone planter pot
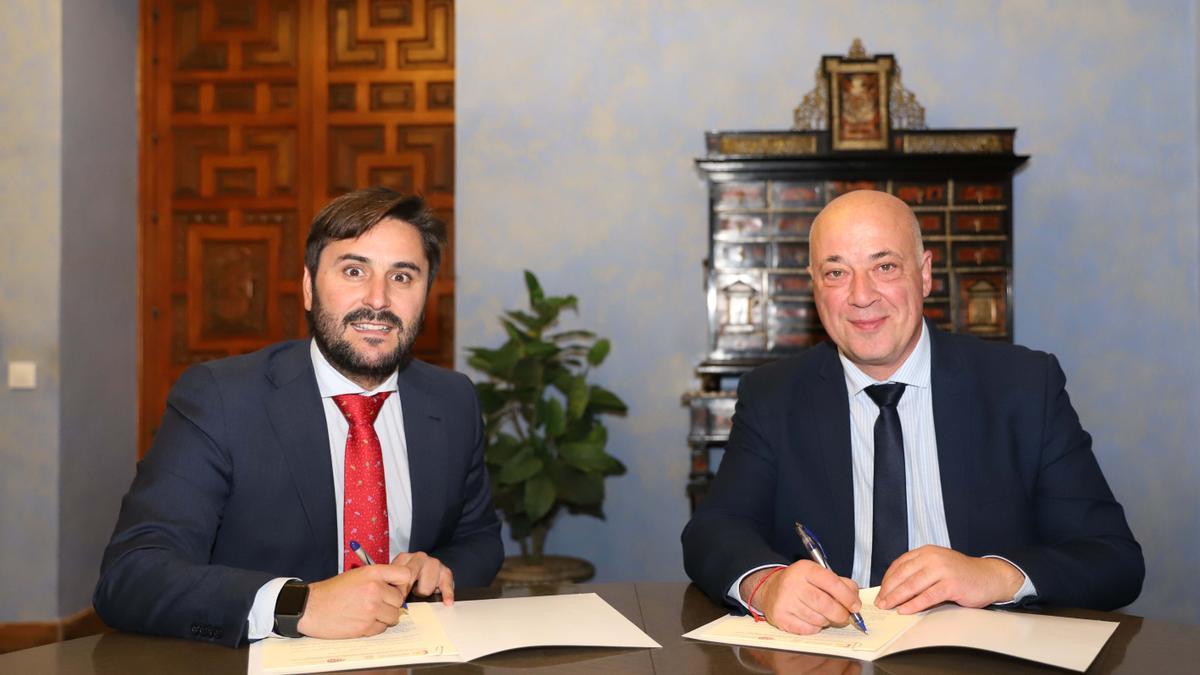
[[553, 569]]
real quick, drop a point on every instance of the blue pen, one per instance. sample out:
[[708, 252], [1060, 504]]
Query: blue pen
[[366, 559], [361, 553], [817, 553]]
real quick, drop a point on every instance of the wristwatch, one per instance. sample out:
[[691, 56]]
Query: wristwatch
[[289, 607]]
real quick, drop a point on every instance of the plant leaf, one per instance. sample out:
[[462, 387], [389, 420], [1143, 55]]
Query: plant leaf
[[535, 289], [604, 401], [539, 497], [514, 333], [556, 421], [599, 351], [528, 373], [573, 335], [540, 349], [502, 449], [533, 323], [579, 488], [577, 397], [585, 456], [520, 467]]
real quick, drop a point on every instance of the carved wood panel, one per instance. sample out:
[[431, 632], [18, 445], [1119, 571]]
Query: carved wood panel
[[254, 115]]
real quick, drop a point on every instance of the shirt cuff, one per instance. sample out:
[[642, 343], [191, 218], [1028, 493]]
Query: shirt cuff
[[1027, 589], [262, 612], [735, 591]]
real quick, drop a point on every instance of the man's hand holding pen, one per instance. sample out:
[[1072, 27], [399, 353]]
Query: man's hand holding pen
[[356, 603], [803, 598], [367, 600]]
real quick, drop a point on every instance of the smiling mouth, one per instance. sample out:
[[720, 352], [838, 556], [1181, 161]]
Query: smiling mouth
[[365, 327], [868, 324]]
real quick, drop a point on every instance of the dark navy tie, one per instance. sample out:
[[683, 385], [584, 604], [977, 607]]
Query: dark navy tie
[[889, 531]]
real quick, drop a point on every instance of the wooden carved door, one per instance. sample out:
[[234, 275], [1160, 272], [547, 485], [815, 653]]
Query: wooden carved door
[[254, 115]]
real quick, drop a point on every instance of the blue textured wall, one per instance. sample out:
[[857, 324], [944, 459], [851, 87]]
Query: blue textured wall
[[68, 294], [30, 145], [578, 123], [98, 328]]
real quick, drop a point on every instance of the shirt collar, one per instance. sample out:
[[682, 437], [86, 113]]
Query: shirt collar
[[914, 372], [332, 383]]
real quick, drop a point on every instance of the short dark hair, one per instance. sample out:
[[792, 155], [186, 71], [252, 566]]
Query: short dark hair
[[354, 213]]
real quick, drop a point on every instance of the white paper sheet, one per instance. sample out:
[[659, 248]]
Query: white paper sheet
[[472, 628], [1058, 641]]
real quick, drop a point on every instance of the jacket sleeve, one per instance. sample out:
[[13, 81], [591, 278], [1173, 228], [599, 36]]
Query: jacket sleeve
[[730, 532], [155, 575], [1084, 554], [474, 551]]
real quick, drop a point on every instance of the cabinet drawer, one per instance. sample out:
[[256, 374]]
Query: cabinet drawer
[[932, 223], [922, 194], [739, 256], [793, 224], [791, 255], [837, 188], [733, 225], [790, 284], [981, 193], [979, 254], [790, 195], [979, 223], [938, 249], [740, 195]]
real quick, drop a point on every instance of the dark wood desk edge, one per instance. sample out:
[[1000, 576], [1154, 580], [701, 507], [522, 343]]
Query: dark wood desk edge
[[664, 610]]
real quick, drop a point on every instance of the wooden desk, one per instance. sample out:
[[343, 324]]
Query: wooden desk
[[665, 611]]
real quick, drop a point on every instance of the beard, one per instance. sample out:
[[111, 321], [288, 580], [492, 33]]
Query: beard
[[328, 332]]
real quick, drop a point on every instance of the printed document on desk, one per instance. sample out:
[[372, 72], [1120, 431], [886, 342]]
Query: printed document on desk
[[1057, 641], [470, 629]]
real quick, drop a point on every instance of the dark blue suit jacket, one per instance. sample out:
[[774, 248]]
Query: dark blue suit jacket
[[238, 489], [1019, 479]]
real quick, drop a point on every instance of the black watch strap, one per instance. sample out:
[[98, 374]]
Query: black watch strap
[[289, 607]]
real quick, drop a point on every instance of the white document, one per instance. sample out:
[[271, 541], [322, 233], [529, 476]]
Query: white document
[[434, 633], [1057, 641]]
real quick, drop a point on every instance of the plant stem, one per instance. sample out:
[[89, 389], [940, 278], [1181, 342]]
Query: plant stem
[[539, 541]]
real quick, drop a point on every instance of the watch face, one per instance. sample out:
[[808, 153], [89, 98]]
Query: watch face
[[291, 600]]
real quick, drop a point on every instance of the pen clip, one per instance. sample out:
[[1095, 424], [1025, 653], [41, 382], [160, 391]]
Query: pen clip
[[815, 541]]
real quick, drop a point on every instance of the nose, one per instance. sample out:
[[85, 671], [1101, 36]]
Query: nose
[[375, 293], [862, 290]]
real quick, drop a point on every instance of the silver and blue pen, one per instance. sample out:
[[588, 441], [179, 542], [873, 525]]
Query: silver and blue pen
[[817, 553], [361, 553], [366, 559]]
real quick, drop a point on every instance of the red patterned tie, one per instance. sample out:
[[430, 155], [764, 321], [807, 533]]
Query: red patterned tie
[[364, 505]]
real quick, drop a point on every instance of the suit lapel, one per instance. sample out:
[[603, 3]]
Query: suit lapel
[[298, 417], [953, 423], [833, 426], [425, 439]]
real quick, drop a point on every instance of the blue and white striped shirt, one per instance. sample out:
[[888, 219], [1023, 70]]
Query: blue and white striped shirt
[[923, 483]]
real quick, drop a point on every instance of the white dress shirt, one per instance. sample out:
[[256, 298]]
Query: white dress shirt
[[389, 425], [923, 483]]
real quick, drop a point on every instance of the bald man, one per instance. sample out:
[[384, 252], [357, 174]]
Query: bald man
[[1005, 502]]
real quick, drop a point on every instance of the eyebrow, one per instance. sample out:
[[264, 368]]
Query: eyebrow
[[399, 264], [879, 255]]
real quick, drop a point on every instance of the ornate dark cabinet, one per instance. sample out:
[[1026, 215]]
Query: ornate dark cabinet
[[765, 189]]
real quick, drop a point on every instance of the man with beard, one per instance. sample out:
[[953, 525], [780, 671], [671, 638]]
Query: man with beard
[[276, 478]]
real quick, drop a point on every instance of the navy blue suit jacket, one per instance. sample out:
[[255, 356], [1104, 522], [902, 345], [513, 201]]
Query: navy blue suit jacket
[[238, 489], [1019, 479]]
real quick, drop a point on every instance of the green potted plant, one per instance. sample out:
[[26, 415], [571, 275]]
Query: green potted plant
[[545, 438]]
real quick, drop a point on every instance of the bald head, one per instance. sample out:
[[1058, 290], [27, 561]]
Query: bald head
[[849, 206]]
